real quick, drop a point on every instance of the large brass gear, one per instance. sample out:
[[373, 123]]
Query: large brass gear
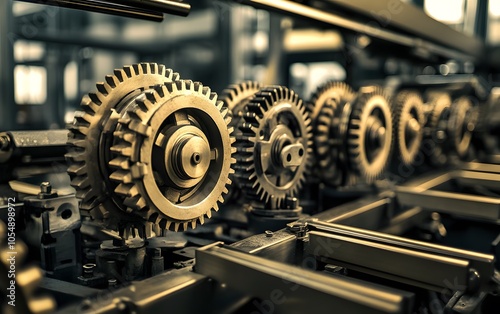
[[91, 134], [26, 280], [333, 99], [463, 119], [409, 120], [274, 150], [173, 155], [369, 140], [436, 128]]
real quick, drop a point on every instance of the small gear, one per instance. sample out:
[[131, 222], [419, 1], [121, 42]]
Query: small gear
[[462, 123], [436, 127], [370, 133], [274, 149], [91, 134], [236, 96], [173, 155], [339, 91], [408, 126], [334, 100], [26, 280]]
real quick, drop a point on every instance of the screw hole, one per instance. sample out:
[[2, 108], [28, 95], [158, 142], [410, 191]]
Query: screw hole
[[301, 152], [288, 157], [66, 214]]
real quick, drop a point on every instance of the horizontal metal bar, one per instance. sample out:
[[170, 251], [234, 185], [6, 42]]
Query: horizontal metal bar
[[472, 206], [430, 269], [482, 263], [283, 288], [370, 29], [482, 167], [476, 178], [164, 6], [100, 6]]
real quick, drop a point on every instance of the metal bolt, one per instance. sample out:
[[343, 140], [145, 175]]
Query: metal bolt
[[88, 270], [269, 233], [291, 202], [112, 282], [46, 187], [4, 142], [157, 252]]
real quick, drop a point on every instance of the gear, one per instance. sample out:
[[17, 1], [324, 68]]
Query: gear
[[437, 127], [339, 91], [26, 280], [173, 155], [370, 133], [408, 126], [275, 146], [461, 125], [236, 96], [333, 99], [91, 134]]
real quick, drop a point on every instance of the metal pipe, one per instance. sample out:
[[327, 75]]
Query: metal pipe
[[104, 7], [164, 6]]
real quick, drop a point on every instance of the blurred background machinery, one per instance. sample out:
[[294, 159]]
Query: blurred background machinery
[[252, 156]]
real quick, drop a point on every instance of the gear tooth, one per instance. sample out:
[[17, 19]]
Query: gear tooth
[[112, 80], [88, 105], [129, 71], [185, 226], [120, 74], [193, 224], [144, 102], [120, 163], [77, 169], [209, 214], [103, 88], [176, 226], [221, 199], [80, 182], [201, 219], [95, 97]]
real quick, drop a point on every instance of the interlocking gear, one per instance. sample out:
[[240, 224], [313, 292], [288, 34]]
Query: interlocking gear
[[275, 146], [329, 128], [408, 126], [26, 280], [370, 133], [237, 96], [437, 127], [461, 125], [340, 92], [173, 155], [91, 135]]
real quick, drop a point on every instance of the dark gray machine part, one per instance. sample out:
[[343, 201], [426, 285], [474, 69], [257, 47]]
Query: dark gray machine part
[[142, 9]]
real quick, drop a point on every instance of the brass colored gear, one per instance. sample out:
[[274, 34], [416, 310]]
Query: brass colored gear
[[173, 155], [236, 96], [91, 134], [408, 126], [370, 133], [26, 280], [340, 92], [437, 127], [333, 98], [462, 123], [275, 147]]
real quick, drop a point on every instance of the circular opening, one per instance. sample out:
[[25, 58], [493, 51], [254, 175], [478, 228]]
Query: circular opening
[[196, 157], [66, 214], [288, 157], [301, 152]]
